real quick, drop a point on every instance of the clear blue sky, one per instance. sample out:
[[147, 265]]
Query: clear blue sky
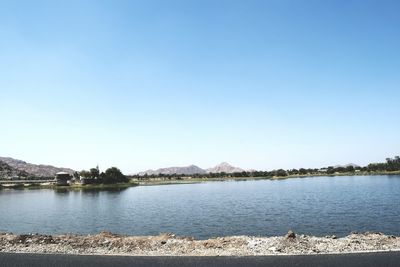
[[148, 84]]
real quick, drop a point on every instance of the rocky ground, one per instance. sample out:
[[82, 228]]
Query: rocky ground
[[168, 244]]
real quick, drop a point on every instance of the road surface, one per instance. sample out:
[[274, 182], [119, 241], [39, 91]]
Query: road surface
[[352, 260]]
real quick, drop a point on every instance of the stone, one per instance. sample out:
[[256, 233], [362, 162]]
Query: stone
[[290, 235]]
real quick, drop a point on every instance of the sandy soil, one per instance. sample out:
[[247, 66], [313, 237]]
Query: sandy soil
[[168, 244]]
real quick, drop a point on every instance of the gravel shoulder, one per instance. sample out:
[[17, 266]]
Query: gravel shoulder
[[106, 243]]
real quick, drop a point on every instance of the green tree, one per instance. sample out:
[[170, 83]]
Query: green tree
[[303, 171], [113, 175], [94, 172], [76, 175], [350, 168], [281, 173], [85, 174]]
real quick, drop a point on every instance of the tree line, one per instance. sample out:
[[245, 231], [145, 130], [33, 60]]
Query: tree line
[[391, 164], [110, 176], [114, 175]]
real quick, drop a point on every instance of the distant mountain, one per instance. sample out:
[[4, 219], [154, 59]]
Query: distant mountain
[[33, 169], [6, 171], [346, 165], [193, 169], [188, 170], [224, 167]]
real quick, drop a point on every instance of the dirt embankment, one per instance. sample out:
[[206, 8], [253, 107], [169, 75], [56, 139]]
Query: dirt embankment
[[168, 244]]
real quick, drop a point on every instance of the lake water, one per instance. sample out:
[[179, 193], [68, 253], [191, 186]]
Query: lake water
[[318, 206]]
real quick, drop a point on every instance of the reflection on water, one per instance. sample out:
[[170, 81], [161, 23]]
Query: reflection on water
[[319, 206], [110, 190], [88, 190], [61, 190]]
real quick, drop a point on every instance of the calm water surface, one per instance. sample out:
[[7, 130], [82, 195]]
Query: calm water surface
[[318, 206]]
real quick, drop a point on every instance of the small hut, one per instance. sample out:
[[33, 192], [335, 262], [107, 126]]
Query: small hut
[[62, 178]]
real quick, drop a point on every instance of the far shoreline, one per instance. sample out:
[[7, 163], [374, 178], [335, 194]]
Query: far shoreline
[[159, 181], [184, 180]]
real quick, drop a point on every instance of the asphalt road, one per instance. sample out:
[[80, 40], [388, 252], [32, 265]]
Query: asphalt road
[[380, 259]]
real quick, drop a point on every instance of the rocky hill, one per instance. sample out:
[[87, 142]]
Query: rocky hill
[[193, 169], [7, 172], [224, 167], [187, 170], [347, 165], [33, 169]]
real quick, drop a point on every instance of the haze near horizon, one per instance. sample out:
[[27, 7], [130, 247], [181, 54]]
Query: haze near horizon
[[144, 85]]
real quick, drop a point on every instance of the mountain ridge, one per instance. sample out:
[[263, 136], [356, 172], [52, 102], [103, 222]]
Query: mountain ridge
[[346, 165], [186, 170], [224, 167], [10, 167], [36, 170], [193, 169], [6, 171]]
